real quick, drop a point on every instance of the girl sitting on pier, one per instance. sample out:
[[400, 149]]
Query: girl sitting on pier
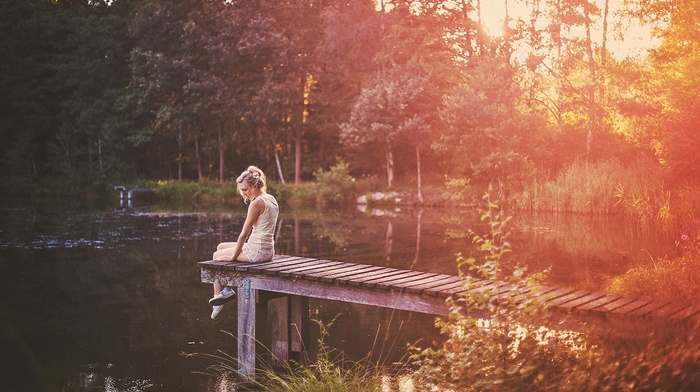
[[260, 224]]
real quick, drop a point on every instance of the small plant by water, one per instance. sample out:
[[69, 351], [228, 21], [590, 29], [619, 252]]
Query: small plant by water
[[331, 371]]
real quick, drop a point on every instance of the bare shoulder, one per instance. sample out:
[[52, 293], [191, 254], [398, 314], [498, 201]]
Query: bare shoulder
[[257, 205]]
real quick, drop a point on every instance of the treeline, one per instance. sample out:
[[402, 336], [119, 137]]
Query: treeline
[[196, 89]]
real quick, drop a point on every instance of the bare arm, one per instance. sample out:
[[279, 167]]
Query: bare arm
[[256, 208]]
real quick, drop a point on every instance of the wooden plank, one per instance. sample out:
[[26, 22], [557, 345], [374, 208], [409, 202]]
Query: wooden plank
[[668, 311], [378, 274], [301, 268], [385, 281], [347, 278], [552, 295], [622, 301], [434, 281], [572, 295], [573, 304], [457, 287], [538, 293], [648, 308], [237, 264], [310, 274], [445, 290], [604, 300], [331, 277], [327, 276], [636, 304], [243, 266], [274, 269], [213, 264], [687, 313], [400, 284], [511, 291], [317, 274], [260, 267]]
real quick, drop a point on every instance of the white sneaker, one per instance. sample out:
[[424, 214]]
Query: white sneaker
[[216, 310], [224, 296]]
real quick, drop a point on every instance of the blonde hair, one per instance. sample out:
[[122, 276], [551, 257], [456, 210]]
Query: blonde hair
[[253, 177]]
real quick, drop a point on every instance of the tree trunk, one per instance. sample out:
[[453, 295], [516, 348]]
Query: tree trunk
[[298, 131], [592, 86], [198, 157], [604, 51], [389, 165], [179, 155], [222, 153], [279, 166], [418, 176]]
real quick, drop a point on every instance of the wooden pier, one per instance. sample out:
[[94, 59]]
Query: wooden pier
[[273, 299]]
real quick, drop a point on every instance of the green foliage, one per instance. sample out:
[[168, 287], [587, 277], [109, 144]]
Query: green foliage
[[459, 190], [487, 134], [194, 191], [336, 184]]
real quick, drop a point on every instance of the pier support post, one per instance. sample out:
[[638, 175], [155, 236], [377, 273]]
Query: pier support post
[[299, 324], [247, 312], [278, 325]]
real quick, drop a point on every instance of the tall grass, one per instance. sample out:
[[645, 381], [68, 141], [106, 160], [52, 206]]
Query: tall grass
[[589, 188], [331, 371]]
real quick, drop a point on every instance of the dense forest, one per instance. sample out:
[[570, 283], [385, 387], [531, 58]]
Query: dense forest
[[198, 89]]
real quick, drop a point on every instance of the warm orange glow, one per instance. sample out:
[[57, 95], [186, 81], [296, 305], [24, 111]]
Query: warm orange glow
[[492, 15], [635, 40]]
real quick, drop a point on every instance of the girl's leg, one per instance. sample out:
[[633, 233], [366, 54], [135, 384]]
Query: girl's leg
[[224, 252], [225, 245]]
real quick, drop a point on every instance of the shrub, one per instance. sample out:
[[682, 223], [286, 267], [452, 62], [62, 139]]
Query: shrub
[[335, 185]]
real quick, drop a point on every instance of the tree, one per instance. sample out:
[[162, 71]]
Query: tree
[[488, 132], [401, 102]]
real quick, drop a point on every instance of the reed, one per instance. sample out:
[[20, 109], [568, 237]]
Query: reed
[[587, 188]]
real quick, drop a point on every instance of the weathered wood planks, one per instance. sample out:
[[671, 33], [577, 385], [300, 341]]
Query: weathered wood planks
[[338, 280]]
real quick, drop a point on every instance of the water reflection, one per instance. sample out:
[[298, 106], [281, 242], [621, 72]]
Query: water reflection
[[95, 299]]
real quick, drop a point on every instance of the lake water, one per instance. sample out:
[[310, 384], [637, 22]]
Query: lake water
[[95, 297]]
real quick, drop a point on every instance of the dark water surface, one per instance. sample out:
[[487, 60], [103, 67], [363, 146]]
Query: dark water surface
[[98, 298]]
